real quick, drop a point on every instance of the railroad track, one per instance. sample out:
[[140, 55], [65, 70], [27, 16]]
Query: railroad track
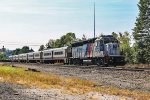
[[100, 67], [86, 67]]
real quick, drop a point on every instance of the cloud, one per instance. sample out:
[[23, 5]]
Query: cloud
[[33, 8]]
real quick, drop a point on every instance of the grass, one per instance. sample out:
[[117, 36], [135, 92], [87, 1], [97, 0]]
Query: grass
[[70, 84]]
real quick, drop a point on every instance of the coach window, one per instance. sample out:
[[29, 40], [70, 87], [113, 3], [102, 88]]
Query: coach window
[[36, 55], [101, 45], [58, 53], [47, 54], [30, 55]]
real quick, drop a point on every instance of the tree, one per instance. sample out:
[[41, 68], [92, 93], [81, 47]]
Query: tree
[[41, 48], [4, 49], [115, 34], [142, 33], [3, 56], [67, 39], [146, 37], [64, 40], [24, 49], [50, 44], [16, 52], [125, 41], [143, 6], [57, 43]]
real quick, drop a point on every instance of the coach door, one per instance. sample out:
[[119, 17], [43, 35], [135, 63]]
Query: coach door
[[52, 54], [41, 55]]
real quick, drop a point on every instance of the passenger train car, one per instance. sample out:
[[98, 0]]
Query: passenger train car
[[104, 50]]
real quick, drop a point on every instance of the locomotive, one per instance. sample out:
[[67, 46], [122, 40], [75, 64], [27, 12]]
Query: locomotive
[[103, 51]]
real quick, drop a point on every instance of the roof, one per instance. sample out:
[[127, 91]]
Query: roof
[[52, 49], [104, 37], [83, 42], [109, 38]]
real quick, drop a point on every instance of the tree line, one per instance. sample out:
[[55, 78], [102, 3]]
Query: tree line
[[24, 49], [64, 40]]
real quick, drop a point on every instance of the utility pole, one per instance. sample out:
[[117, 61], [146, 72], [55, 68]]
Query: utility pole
[[94, 19]]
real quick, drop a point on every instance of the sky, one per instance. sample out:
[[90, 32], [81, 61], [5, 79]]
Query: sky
[[34, 22]]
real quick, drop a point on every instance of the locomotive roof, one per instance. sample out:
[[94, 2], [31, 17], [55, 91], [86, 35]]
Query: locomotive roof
[[104, 37], [109, 38], [83, 42]]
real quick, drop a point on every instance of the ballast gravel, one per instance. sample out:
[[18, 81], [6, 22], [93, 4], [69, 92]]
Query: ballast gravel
[[136, 80]]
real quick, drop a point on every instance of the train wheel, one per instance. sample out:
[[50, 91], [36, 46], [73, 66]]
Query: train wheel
[[100, 62], [74, 61]]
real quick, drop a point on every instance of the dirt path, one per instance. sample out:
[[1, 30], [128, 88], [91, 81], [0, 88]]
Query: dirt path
[[18, 92]]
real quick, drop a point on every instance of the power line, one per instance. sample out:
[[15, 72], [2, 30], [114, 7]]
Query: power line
[[19, 43]]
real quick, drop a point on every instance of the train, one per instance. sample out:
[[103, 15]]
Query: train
[[103, 51]]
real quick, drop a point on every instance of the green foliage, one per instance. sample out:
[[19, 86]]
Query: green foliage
[[147, 49], [57, 43], [41, 48], [143, 6], [115, 34], [65, 40], [16, 52], [50, 44], [134, 54], [24, 49], [125, 41], [142, 54], [144, 50], [3, 56], [4, 49]]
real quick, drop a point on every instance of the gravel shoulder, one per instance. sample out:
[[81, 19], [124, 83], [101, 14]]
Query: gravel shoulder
[[136, 80]]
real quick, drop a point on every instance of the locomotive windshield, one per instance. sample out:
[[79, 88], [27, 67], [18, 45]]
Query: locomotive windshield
[[110, 40], [108, 44], [111, 45]]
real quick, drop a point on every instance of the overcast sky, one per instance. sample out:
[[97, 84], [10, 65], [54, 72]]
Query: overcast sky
[[34, 22]]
